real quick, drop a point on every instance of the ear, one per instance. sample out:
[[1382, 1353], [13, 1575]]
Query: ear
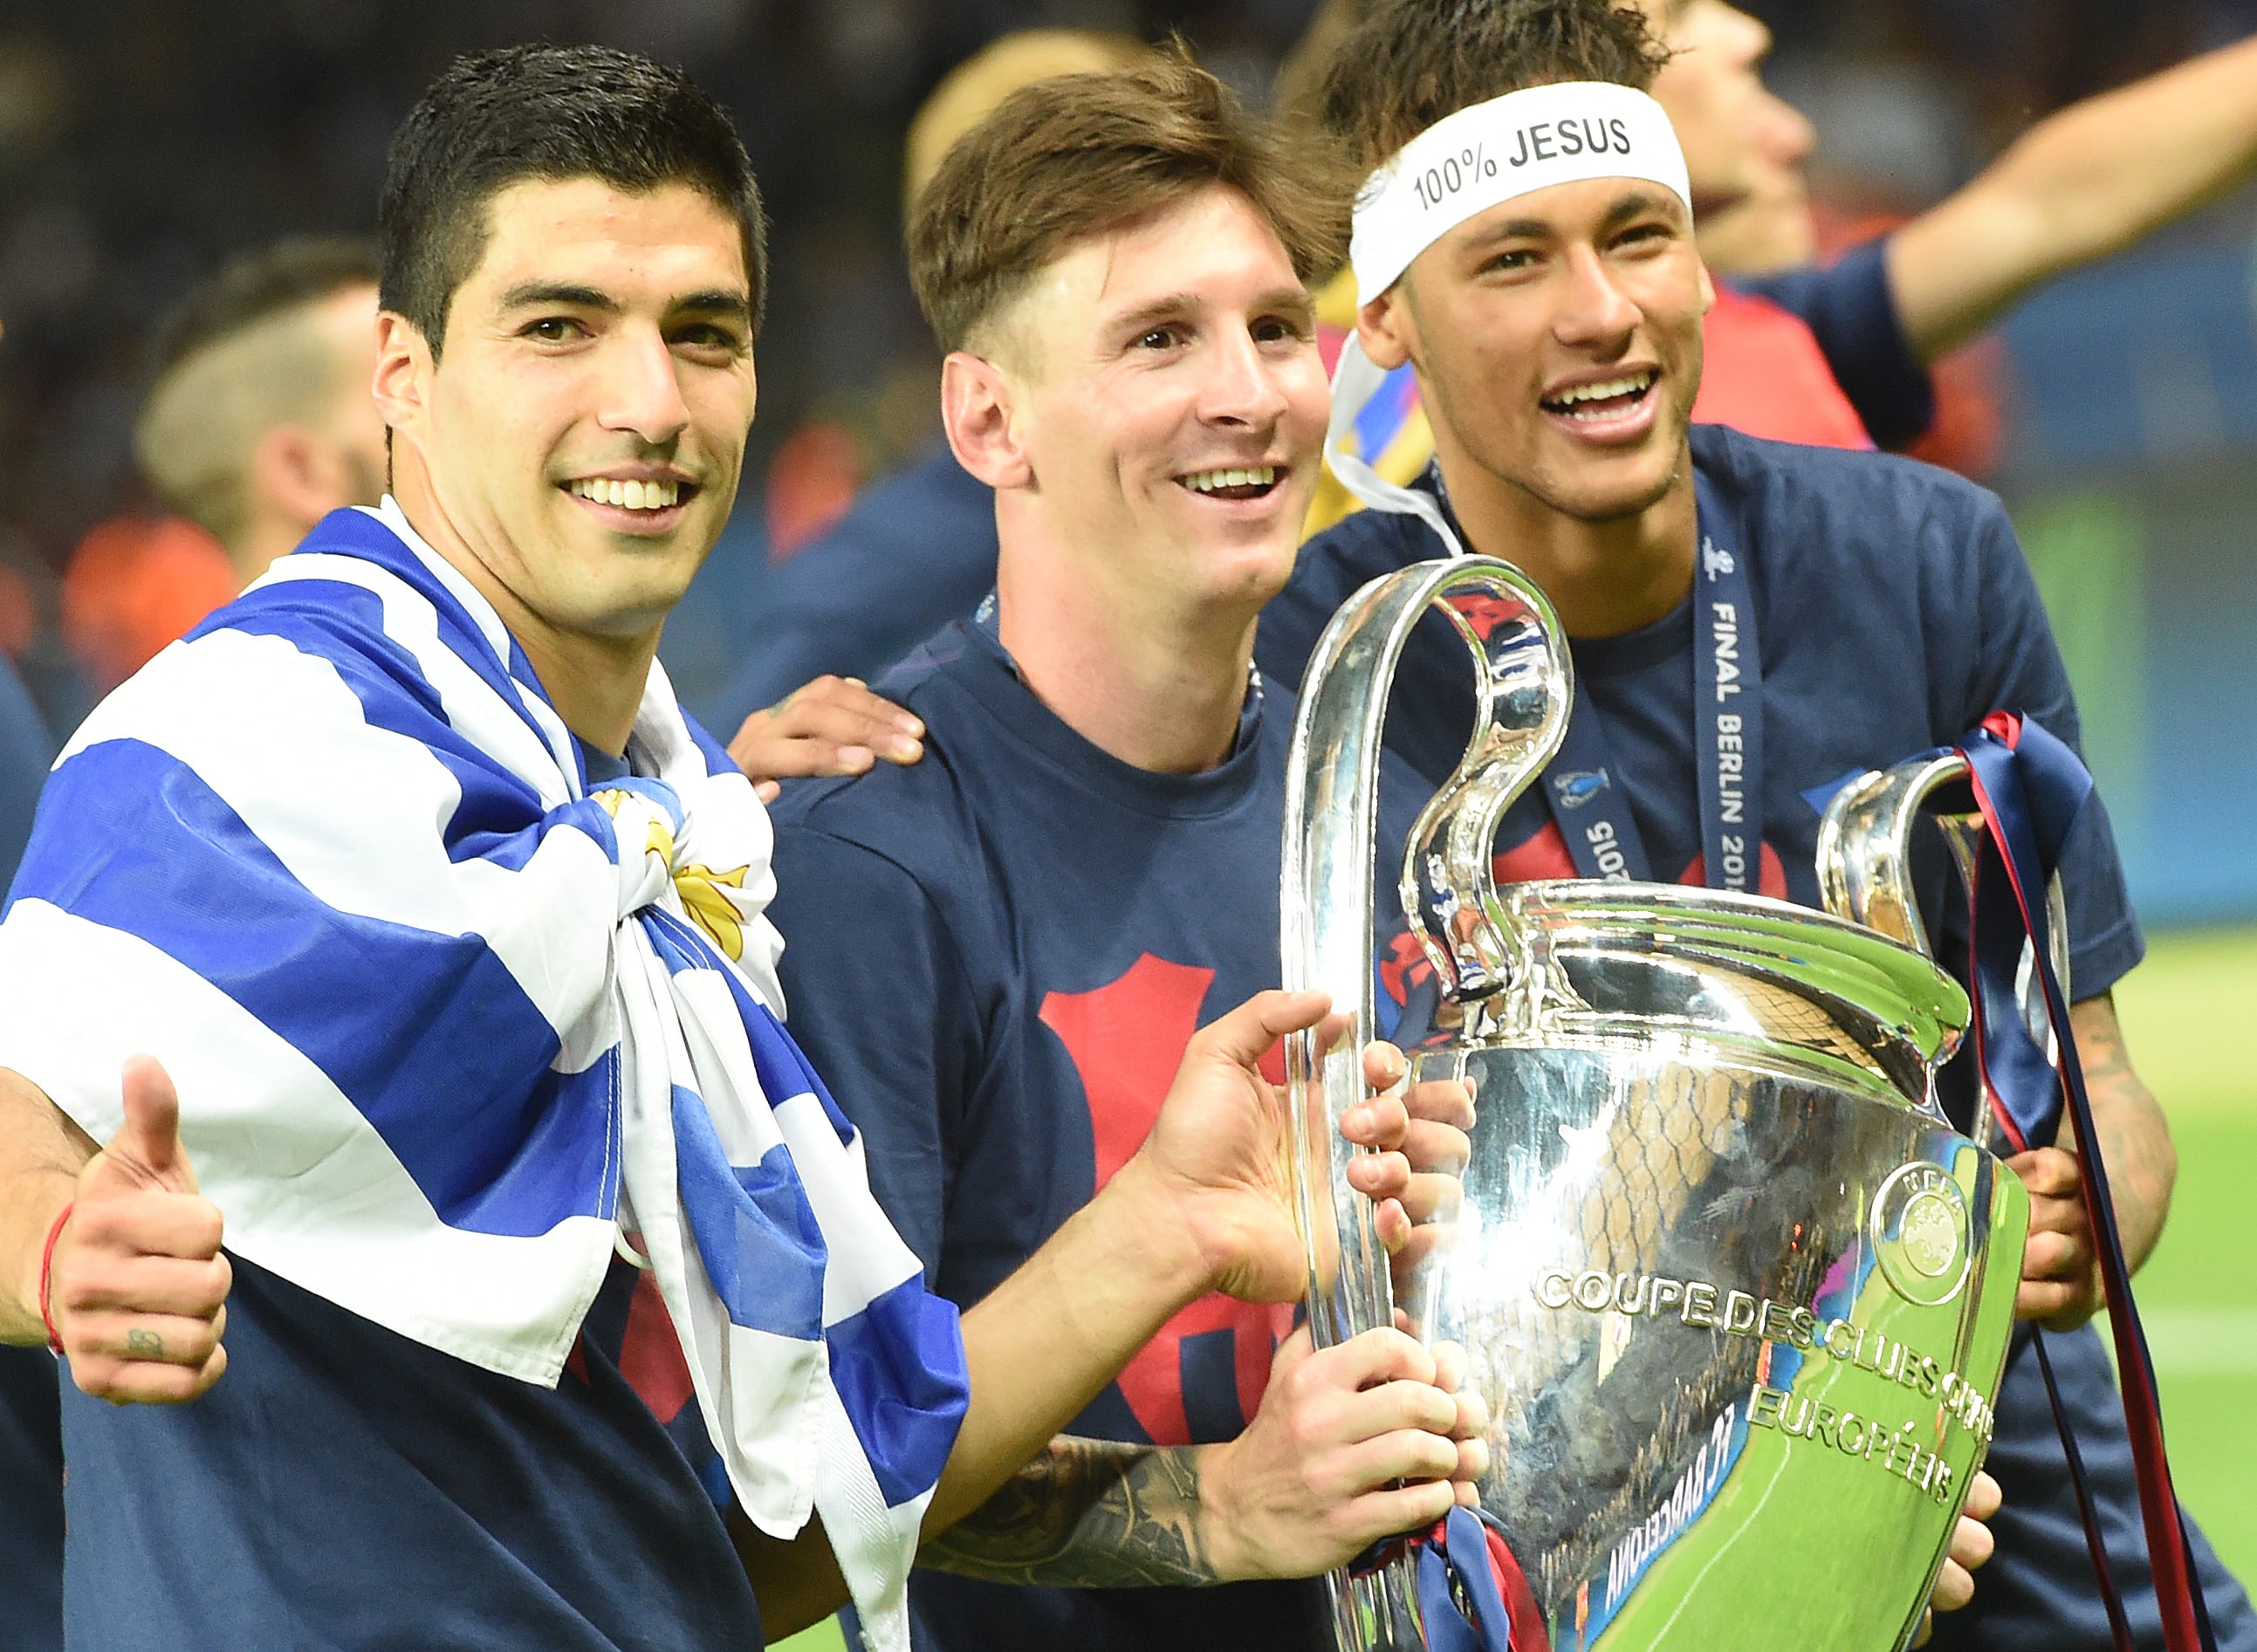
[[296, 476], [977, 402], [402, 385], [1708, 289], [1387, 330]]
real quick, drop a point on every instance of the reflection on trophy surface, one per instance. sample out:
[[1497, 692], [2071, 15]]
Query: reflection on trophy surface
[[1737, 1294]]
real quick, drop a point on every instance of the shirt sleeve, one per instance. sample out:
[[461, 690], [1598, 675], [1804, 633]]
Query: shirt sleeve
[[1851, 310], [876, 996], [2019, 668]]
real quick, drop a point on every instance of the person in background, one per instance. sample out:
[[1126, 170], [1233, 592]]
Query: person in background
[[259, 421], [1837, 357], [134, 584], [256, 424]]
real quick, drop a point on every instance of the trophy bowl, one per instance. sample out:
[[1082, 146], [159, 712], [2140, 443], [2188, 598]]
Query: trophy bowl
[[1737, 1294]]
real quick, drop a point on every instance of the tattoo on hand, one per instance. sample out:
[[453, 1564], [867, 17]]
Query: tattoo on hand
[[145, 1345], [1086, 1513]]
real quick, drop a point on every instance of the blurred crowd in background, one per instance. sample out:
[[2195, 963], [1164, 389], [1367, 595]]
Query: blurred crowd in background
[[143, 141]]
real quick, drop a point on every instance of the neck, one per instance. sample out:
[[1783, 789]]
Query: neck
[[1604, 577], [252, 552], [595, 683], [1158, 683]]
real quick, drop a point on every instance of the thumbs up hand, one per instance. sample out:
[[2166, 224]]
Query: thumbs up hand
[[136, 1289]]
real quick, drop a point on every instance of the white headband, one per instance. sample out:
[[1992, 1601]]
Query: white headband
[[1462, 166], [1492, 152]]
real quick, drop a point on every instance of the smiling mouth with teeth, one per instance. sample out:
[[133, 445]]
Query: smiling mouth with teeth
[[632, 496], [1608, 398], [1249, 482]]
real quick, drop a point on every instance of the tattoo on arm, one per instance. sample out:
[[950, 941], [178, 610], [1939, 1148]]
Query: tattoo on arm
[[2135, 1141], [1086, 1513]]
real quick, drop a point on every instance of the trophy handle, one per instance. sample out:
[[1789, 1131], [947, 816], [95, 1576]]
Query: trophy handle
[[1864, 867], [1525, 689], [1864, 845], [1525, 686]]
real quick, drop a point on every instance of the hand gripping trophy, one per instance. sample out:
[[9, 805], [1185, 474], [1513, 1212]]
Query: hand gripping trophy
[[1737, 1294]]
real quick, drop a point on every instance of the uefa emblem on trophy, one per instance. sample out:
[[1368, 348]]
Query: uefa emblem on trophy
[[1737, 1294]]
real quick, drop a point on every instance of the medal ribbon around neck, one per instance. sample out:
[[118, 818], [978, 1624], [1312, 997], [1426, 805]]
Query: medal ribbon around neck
[[1586, 792]]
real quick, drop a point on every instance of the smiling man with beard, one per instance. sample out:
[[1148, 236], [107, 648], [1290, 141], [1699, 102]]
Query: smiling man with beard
[[1084, 869]]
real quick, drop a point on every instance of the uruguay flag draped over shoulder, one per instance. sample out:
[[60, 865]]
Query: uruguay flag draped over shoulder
[[444, 1024]]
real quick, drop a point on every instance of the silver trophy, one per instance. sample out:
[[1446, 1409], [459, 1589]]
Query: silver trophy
[[1737, 1294]]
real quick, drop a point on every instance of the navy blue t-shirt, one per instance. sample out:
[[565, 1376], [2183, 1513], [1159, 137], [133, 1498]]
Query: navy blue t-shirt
[[996, 958], [1895, 611], [344, 1487]]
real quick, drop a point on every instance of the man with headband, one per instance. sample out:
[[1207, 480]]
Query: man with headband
[[1750, 621], [1837, 353]]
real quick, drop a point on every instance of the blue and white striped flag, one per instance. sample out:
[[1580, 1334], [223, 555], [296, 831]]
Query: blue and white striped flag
[[443, 1023]]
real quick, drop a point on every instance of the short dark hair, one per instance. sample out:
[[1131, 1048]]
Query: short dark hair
[[553, 112], [252, 286], [1410, 63], [1081, 155]]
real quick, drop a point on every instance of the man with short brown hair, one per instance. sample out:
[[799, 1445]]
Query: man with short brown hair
[[1084, 869], [1088, 153]]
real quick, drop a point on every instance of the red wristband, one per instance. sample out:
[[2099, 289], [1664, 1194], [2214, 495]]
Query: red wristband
[[46, 1270]]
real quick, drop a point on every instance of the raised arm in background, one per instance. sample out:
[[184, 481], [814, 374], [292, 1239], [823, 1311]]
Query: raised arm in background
[[2086, 182]]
